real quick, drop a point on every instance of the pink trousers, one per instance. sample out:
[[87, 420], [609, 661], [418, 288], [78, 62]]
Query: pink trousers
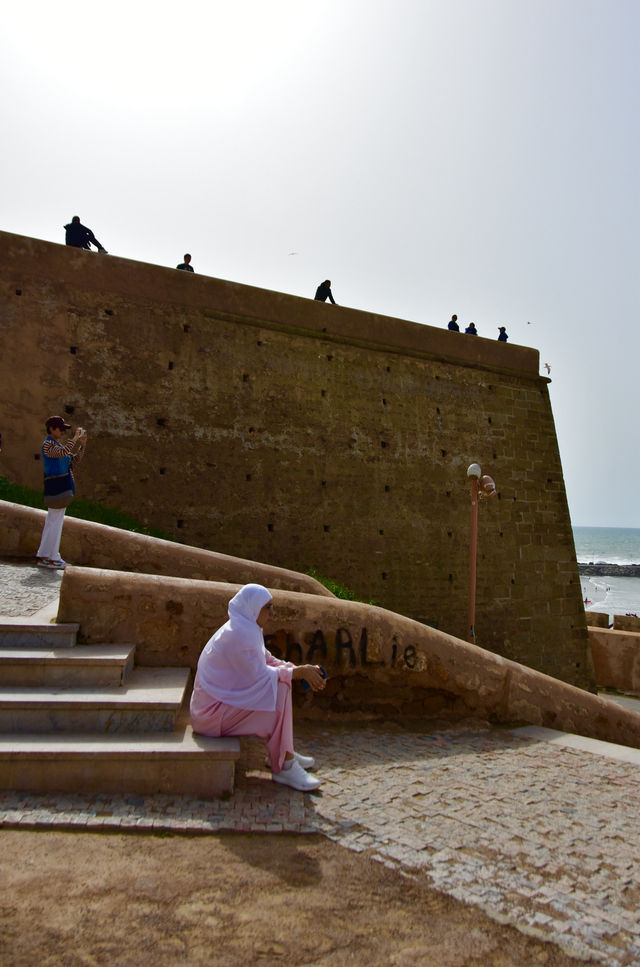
[[209, 717]]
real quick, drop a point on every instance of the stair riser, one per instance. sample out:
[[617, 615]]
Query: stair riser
[[172, 775], [86, 720], [28, 638], [54, 675]]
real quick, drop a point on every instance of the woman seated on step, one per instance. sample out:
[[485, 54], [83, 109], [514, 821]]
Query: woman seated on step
[[241, 689]]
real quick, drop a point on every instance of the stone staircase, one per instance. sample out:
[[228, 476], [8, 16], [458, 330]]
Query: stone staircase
[[83, 719]]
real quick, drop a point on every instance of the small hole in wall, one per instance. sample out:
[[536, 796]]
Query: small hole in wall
[[73, 350], [69, 409], [251, 429], [18, 291], [381, 532], [387, 488], [495, 456], [384, 402], [329, 358], [384, 575], [388, 369], [451, 577], [162, 471], [179, 523], [383, 444], [270, 527], [448, 493], [438, 410], [186, 327], [488, 419], [437, 377], [326, 528], [161, 421], [36, 456], [443, 452], [324, 483], [247, 476], [109, 312], [245, 377], [323, 392], [170, 366], [259, 343], [513, 580], [449, 533]]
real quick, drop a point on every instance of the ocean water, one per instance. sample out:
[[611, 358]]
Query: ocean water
[[612, 545]]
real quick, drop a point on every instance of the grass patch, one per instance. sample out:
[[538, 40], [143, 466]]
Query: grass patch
[[79, 508]]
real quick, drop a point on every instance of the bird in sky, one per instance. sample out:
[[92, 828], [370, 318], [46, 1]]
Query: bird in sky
[[547, 367]]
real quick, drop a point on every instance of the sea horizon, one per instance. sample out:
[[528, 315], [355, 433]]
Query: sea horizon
[[607, 545]]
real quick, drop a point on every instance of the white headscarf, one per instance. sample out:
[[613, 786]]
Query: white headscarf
[[232, 667]]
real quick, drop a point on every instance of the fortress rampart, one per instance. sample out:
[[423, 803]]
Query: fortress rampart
[[282, 430]]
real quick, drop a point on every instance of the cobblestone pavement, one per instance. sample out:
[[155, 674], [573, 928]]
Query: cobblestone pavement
[[25, 588], [535, 833]]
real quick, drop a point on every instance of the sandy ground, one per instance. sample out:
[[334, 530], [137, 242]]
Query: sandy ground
[[93, 899]]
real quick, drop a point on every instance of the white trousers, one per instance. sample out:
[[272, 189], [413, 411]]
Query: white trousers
[[51, 533]]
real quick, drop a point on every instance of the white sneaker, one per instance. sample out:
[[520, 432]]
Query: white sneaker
[[297, 778], [306, 761]]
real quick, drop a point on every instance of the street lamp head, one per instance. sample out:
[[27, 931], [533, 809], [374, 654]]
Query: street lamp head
[[487, 486], [474, 471]]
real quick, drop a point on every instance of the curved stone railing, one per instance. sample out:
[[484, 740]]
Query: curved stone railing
[[379, 663], [96, 545]]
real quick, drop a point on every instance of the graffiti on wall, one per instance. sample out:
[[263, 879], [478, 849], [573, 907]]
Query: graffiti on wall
[[339, 648]]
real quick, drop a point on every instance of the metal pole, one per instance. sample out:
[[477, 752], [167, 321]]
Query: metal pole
[[471, 631]]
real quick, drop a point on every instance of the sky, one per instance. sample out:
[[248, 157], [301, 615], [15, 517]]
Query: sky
[[428, 156]]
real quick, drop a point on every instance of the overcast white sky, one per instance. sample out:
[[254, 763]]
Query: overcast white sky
[[428, 156]]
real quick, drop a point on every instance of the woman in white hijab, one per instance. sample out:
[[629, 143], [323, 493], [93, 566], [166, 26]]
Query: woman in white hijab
[[241, 689]]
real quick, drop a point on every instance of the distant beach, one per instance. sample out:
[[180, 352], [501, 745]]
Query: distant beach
[[609, 565]]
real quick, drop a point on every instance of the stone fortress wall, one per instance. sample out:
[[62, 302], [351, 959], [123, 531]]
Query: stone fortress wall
[[299, 434]]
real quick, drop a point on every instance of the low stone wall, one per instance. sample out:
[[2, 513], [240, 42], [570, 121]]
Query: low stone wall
[[616, 659], [379, 663], [597, 619], [95, 545], [626, 622]]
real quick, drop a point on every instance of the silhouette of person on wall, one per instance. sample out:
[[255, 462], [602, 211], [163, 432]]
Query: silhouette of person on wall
[[471, 329], [323, 292], [453, 324], [503, 334], [186, 265], [80, 236]]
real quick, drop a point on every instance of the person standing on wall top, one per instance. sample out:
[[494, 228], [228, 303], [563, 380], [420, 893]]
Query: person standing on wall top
[[503, 334], [471, 329], [186, 265], [80, 236], [453, 324], [323, 292], [59, 486]]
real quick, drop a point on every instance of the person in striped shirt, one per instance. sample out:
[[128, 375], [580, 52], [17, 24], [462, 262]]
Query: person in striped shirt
[[58, 460]]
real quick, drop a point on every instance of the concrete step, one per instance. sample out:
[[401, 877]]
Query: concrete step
[[80, 666], [171, 763], [148, 701], [20, 632]]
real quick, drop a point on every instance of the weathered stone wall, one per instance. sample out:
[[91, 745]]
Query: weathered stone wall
[[616, 659], [300, 434]]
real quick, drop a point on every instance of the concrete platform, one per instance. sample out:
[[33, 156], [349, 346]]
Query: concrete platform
[[146, 764], [82, 665], [149, 700]]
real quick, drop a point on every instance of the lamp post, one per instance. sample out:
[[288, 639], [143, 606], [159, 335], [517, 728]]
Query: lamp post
[[482, 486]]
